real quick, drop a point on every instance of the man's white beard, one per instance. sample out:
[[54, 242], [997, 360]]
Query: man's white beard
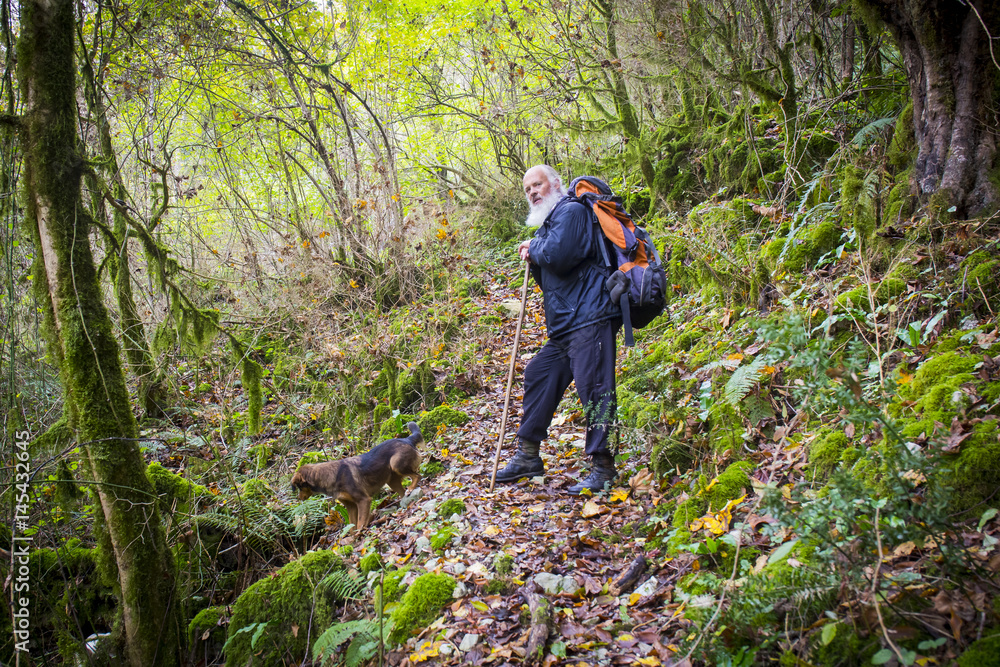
[[537, 214]]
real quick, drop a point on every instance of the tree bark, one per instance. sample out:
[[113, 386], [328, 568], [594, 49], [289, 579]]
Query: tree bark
[[152, 393], [80, 336], [951, 72]]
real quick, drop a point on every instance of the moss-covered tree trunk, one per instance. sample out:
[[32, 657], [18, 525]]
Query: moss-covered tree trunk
[[623, 103], [953, 77], [79, 333], [152, 393]]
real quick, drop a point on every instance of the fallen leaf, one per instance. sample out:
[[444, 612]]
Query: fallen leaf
[[591, 508]]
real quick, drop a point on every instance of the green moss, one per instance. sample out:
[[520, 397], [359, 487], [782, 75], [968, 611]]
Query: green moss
[[451, 506], [809, 246], [671, 454], [503, 564], [932, 399], [826, 452], [442, 539], [421, 604], [731, 484], [981, 272], [370, 563], [290, 598], [171, 488], [392, 586], [416, 389], [442, 415], [885, 291], [252, 373], [983, 652], [70, 600], [207, 620], [951, 369], [395, 426]]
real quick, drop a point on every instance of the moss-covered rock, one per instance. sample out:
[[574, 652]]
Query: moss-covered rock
[[442, 415], [885, 291], [421, 604], [207, 631], [808, 246], [928, 405], [292, 597]]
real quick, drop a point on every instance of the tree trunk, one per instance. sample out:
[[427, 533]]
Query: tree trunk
[[952, 74], [152, 394], [79, 333]]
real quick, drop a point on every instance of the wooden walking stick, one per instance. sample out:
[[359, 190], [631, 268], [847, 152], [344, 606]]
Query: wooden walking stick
[[510, 373]]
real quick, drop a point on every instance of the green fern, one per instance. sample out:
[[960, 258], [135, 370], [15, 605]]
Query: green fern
[[870, 129], [742, 381], [344, 585], [363, 635]]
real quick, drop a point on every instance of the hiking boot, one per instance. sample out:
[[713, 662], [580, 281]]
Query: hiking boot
[[602, 473], [526, 463]]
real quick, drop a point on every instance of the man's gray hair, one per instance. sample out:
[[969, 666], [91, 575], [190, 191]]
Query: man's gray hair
[[553, 176]]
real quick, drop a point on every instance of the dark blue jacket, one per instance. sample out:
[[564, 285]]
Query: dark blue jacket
[[568, 265]]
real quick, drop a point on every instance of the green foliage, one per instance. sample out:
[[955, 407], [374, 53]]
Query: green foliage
[[291, 597], [421, 604]]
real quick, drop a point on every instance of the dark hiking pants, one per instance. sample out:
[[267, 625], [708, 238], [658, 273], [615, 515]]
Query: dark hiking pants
[[586, 356]]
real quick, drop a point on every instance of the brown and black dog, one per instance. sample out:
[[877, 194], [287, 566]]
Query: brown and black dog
[[354, 480]]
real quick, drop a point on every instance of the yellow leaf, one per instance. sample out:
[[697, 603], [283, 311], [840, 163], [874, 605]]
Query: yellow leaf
[[480, 605], [651, 661], [491, 531], [633, 598], [904, 378], [426, 651], [736, 356], [618, 495]]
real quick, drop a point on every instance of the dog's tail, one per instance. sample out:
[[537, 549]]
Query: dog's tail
[[416, 437]]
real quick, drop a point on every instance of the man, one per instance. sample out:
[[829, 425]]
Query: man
[[582, 323]]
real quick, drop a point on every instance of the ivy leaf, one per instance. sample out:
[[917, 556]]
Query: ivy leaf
[[987, 515], [783, 551], [882, 657]]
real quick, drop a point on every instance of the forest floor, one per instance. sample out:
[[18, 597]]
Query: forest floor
[[590, 539], [531, 540]]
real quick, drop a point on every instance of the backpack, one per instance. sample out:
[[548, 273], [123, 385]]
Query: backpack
[[638, 282]]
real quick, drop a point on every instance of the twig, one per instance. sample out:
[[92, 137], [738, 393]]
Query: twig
[[878, 610]]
